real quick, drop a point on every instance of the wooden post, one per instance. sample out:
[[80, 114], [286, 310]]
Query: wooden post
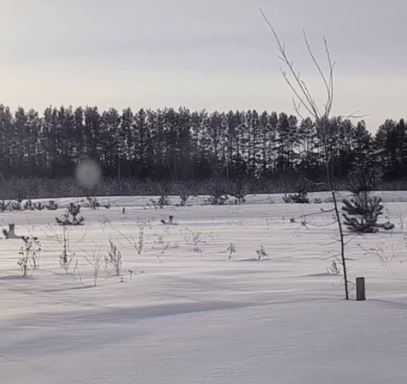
[[12, 230], [360, 289], [10, 234]]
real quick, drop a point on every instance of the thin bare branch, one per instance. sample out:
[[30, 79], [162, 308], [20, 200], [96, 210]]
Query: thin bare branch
[[297, 108], [300, 89], [315, 61]]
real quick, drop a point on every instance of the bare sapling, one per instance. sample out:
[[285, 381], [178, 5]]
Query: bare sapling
[[67, 258], [231, 250], [96, 260], [29, 255], [137, 241], [320, 113], [163, 249], [113, 259], [163, 199], [161, 246], [193, 238]]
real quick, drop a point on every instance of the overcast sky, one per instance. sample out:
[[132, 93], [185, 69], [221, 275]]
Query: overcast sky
[[202, 54]]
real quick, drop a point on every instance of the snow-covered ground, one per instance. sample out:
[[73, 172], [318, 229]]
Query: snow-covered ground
[[188, 314]]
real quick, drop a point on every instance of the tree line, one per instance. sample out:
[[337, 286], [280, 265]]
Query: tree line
[[173, 145]]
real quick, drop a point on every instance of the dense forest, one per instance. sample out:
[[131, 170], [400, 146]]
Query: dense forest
[[182, 145]]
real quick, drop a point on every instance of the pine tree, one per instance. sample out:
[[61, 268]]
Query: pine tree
[[185, 145], [362, 211], [391, 140], [6, 123]]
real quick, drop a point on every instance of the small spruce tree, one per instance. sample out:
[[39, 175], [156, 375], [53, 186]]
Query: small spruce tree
[[362, 211]]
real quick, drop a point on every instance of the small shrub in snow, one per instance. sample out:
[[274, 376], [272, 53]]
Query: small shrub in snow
[[183, 199], [71, 216], [3, 206], [296, 198], [12, 205], [362, 211], [217, 199], [137, 241], [217, 194], [139, 244], [193, 238], [261, 253], [39, 206], [29, 255], [198, 250], [16, 205], [96, 261], [163, 249], [93, 202], [67, 259], [270, 200], [51, 206], [113, 259], [162, 246], [163, 199], [385, 253], [28, 205], [239, 191], [231, 250], [333, 269], [170, 221]]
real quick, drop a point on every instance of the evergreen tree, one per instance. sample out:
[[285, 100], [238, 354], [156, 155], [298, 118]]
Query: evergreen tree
[[183, 145]]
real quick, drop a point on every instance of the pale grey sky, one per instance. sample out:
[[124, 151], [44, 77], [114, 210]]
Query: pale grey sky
[[212, 54]]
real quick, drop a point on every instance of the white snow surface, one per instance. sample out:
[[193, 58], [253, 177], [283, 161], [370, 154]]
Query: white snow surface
[[188, 315]]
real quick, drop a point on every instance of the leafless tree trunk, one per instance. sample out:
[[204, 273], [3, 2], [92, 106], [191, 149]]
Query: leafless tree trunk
[[303, 98]]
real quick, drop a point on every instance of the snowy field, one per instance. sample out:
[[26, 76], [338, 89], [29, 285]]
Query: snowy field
[[186, 314]]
